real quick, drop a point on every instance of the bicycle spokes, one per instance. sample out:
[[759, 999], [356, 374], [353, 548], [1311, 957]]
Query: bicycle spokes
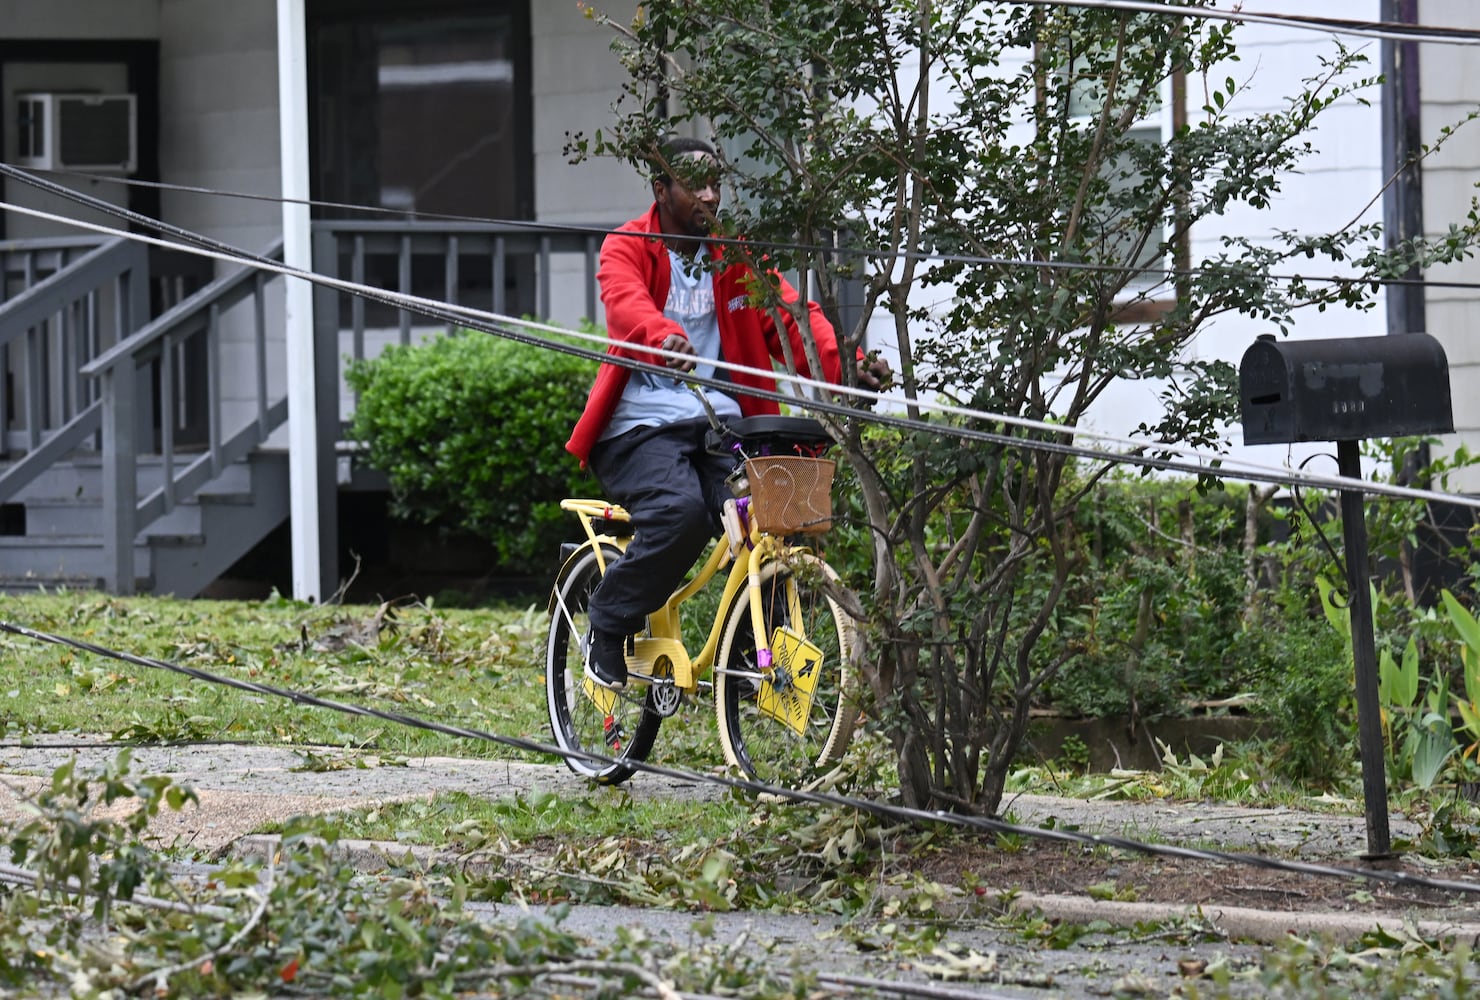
[[784, 717], [605, 699], [587, 719]]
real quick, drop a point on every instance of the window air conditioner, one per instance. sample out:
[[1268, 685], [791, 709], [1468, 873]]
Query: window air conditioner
[[93, 132]]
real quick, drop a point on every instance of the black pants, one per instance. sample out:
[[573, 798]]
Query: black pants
[[674, 491]]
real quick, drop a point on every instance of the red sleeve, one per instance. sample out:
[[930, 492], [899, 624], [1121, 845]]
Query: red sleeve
[[629, 276]]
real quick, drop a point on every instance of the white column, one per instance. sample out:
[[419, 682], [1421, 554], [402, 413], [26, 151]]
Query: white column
[[303, 457]]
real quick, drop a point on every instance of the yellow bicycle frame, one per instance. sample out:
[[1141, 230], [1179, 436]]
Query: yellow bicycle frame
[[666, 639]]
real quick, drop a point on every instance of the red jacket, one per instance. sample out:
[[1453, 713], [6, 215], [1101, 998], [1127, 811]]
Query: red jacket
[[634, 276]]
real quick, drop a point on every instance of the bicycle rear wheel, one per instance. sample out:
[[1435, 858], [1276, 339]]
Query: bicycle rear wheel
[[586, 718], [783, 724]]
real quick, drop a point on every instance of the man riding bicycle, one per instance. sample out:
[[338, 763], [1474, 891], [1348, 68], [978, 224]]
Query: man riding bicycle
[[642, 433]]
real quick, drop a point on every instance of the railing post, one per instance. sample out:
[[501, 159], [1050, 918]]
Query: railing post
[[136, 315], [544, 279], [120, 476], [326, 401], [451, 276], [591, 265], [403, 285], [500, 263], [259, 349]]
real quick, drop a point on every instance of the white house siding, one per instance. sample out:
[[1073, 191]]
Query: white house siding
[[65, 19], [576, 79], [1337, 185], [219, 130], [79, 19], [1450, 86]]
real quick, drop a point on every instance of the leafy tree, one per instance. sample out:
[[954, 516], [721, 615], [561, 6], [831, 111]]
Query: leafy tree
[[1020, 237]]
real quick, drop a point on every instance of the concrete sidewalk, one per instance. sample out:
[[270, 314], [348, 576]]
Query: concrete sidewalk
[[243, 788]]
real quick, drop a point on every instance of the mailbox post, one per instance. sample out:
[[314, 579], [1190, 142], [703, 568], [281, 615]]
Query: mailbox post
[[1345, 390]]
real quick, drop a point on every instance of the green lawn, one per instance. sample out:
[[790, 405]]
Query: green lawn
[[479, 669]]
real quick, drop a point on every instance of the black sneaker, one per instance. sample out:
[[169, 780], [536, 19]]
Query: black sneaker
[[605, 658]]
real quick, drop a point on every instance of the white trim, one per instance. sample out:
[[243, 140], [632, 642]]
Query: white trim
[[303, 453]]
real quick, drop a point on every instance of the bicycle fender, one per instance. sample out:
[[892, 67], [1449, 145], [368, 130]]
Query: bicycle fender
[[572, 552]]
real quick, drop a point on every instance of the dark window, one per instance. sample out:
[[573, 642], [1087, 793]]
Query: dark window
[[424, 110], [30, 128]]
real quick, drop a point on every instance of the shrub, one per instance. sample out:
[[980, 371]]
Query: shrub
[[470, 429], [1154, 611], [1305, 698]]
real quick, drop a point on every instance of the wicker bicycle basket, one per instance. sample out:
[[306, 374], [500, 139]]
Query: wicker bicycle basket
[[790, 495]]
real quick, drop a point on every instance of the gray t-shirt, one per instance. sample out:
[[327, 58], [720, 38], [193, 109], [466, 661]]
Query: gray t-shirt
[[652, 400]]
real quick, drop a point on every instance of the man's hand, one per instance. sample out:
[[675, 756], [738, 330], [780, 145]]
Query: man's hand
[[679, 344], [874, 372]]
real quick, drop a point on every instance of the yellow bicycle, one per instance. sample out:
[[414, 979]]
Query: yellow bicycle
[[783, 700]]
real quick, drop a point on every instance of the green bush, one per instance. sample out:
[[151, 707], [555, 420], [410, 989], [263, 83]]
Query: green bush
[[471, 430], [1306, 698], [1153, 614]]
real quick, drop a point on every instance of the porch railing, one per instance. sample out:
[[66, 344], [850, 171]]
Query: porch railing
[[143, 366], [504, 268], [97, 373], [91, 294]]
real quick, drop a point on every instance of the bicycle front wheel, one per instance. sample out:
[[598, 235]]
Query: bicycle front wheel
[[782, 723], [586, 718]]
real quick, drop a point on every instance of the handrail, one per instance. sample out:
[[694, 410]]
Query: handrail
[[217, 292], [42, 243], [93, 293], [118, 371], [38, 303], [134, 377], [538, 229], [544, 284], [36, 461]]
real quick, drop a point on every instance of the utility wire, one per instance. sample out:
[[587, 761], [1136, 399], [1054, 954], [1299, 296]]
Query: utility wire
[[881, 810], [878, 254], [1216, 465], [1327, 25]]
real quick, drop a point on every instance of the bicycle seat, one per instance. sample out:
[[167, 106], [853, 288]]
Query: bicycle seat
[[780, 430]]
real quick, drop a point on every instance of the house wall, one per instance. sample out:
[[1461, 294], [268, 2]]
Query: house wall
[[75, 19], [218, 117], [576, 79], [70, 20], [1338, 185], [1449, 81], [20, 77], [219, 130]]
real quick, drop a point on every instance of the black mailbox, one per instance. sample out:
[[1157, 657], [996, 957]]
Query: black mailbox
[[1344, 389]]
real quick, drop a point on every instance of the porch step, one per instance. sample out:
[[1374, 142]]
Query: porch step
[[51, 517], [31, 585], [180, 553], [28, 563], [80, 478]]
